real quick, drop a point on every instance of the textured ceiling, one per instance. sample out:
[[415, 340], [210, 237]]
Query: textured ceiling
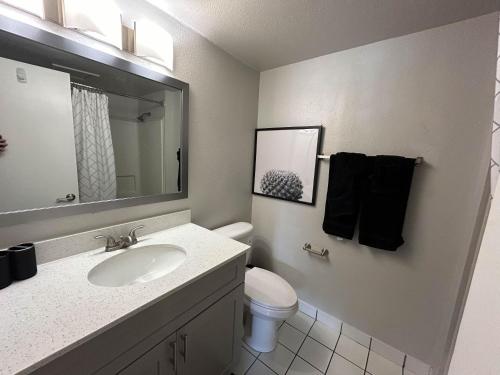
[[268, 33]]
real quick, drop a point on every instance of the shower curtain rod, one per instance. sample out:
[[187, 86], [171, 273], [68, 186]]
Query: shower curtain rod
[[95, 89]]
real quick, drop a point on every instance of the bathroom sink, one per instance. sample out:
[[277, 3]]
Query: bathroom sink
[[137, 265]]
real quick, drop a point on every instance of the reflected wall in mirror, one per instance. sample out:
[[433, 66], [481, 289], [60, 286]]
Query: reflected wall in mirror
[[80, 131]]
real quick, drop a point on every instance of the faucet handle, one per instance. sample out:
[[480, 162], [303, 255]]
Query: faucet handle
[[132, 234], [111, 243]]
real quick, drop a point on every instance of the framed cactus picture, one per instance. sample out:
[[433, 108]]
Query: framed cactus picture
[[286, 163]]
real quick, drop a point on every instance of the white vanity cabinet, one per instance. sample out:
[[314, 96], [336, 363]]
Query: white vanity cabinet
[[193, 331]]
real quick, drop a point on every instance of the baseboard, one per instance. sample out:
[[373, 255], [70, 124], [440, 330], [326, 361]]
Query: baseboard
[[308, 309], [412, 365]]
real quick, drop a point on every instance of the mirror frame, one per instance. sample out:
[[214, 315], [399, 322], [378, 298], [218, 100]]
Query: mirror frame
[[10, 28]]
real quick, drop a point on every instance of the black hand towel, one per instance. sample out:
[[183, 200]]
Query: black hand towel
[[345, 183], [384, 202]]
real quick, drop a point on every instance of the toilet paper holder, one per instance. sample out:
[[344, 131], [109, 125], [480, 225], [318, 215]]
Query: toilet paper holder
[[307, 247]]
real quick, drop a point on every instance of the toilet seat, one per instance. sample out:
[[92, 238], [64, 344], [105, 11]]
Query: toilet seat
[[268, 294]]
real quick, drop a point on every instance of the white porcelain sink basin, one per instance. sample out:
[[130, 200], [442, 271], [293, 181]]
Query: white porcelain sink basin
[[137, 265]]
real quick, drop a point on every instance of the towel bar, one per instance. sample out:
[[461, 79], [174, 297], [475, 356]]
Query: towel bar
[[307, 247], [418, 160]]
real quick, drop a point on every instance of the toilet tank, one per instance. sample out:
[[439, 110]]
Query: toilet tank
[[241, 232]]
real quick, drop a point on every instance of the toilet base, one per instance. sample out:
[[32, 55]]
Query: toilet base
[[261, 333]]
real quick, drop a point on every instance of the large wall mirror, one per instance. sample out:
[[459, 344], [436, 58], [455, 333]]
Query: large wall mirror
[[84, 127]]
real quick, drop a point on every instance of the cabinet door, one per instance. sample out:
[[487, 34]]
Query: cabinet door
[[206, 343], [161, 360]]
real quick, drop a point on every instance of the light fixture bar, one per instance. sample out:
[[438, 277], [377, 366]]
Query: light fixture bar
[[75, 70]]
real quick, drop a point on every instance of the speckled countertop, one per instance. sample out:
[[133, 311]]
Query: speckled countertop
[[58, 309]]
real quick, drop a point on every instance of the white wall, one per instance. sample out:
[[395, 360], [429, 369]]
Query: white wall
[[223, 115], [173, 114], [125, 135], [39, 165], [477, 348], [427, 94], [151, 144]]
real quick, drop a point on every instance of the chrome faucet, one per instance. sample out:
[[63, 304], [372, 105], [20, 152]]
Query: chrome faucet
[[122, 243]]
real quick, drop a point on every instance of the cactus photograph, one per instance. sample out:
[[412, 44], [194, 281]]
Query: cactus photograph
[[282, 184], [286, 163]]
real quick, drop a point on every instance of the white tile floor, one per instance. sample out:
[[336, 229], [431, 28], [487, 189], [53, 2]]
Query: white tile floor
[[309, 347]]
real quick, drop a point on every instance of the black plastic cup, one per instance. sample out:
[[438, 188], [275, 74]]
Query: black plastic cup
[[22, 261], [5, 275]]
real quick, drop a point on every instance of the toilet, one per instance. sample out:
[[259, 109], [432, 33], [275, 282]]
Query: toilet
[[269, 299]]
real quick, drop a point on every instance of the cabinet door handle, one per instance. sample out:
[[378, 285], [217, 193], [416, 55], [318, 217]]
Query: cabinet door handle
[[185, 340], [174, 359]]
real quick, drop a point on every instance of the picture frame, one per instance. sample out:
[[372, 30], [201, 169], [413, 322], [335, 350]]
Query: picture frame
[[286, 163]]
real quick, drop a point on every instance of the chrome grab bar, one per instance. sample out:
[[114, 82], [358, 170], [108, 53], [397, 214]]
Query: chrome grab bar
[[307, 247]]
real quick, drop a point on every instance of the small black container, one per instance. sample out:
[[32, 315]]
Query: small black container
[[5, 275], [22, 261]]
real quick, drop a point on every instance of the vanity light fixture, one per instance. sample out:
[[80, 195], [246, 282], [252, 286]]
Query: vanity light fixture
[[31, 6], [154, 43], [99, 19]]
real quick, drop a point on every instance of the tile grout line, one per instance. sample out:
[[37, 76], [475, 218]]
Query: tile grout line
[[341, 324], [335, 348], [274, 372], [290, 349], [313, 339], [362, 344], [340, 355], [306, 361], [307, 335], [278, 342], [290, 325], [298, 330], [258, 353], [254, 360], [326, 346], [323, 345], [249, 367], [258, 360], [368, 357], [303, 341], [295, 328], [365, 369], [351, 362]]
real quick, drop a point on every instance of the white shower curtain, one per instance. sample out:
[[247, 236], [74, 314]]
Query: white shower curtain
[[94, 147]]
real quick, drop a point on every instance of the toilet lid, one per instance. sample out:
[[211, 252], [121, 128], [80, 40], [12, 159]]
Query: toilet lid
[[269, 290], [235, 231]]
